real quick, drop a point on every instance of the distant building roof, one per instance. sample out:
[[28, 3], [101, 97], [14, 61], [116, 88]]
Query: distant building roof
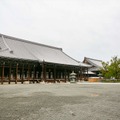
[[96, 64], [11, 47], [84, 64]]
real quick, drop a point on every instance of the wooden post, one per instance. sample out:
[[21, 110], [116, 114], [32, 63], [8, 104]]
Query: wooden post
[[16, 73], [34, 74], [22, 74], [54, 73], [81, 75], [87, 73], [84, 74], [9, 73], [28, 72], [77, 74], [2, 77], [78, 71], [44, 71], [65, 74]]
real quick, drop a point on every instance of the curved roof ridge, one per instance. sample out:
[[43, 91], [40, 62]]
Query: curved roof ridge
[[93, 59], [27, 41]]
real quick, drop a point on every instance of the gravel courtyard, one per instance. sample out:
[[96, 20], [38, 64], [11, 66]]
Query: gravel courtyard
[[60, 101]]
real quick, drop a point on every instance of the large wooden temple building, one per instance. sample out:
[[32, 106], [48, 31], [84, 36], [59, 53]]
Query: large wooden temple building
[[22, 60]]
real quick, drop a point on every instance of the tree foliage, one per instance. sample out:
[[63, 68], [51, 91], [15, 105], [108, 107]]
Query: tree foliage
[[111, 69]]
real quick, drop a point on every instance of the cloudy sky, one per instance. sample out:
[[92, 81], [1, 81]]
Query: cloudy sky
[[82, 28]]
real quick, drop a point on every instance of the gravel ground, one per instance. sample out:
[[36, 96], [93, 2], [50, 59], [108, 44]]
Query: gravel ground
[[60, 101]]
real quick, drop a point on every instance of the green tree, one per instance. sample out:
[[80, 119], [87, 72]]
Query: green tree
[[112, 68], [115, 67]]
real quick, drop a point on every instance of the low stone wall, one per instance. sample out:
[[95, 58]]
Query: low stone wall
[[94, 79]]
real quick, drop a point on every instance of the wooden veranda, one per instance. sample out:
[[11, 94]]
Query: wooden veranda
[[19, 70]]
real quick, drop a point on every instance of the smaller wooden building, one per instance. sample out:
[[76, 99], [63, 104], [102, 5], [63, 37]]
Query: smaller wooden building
[[96, 66]]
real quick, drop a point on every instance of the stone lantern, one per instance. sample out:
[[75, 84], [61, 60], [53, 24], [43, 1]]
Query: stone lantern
[[72, 77]]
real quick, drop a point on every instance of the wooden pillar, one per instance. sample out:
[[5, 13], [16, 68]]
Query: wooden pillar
[[16, 73], [54, 73], [28, 73], [22, 80], [87, 73], [68, 73], [77, 74], [44, 71], [65, 74], [82, 76], [78, 71], [2, 77], [40, 71], [34, 74], [9, 73], [81, 73]]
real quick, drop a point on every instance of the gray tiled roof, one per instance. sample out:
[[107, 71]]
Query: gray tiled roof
[[85, 65], [22, 49], [96, 64]]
